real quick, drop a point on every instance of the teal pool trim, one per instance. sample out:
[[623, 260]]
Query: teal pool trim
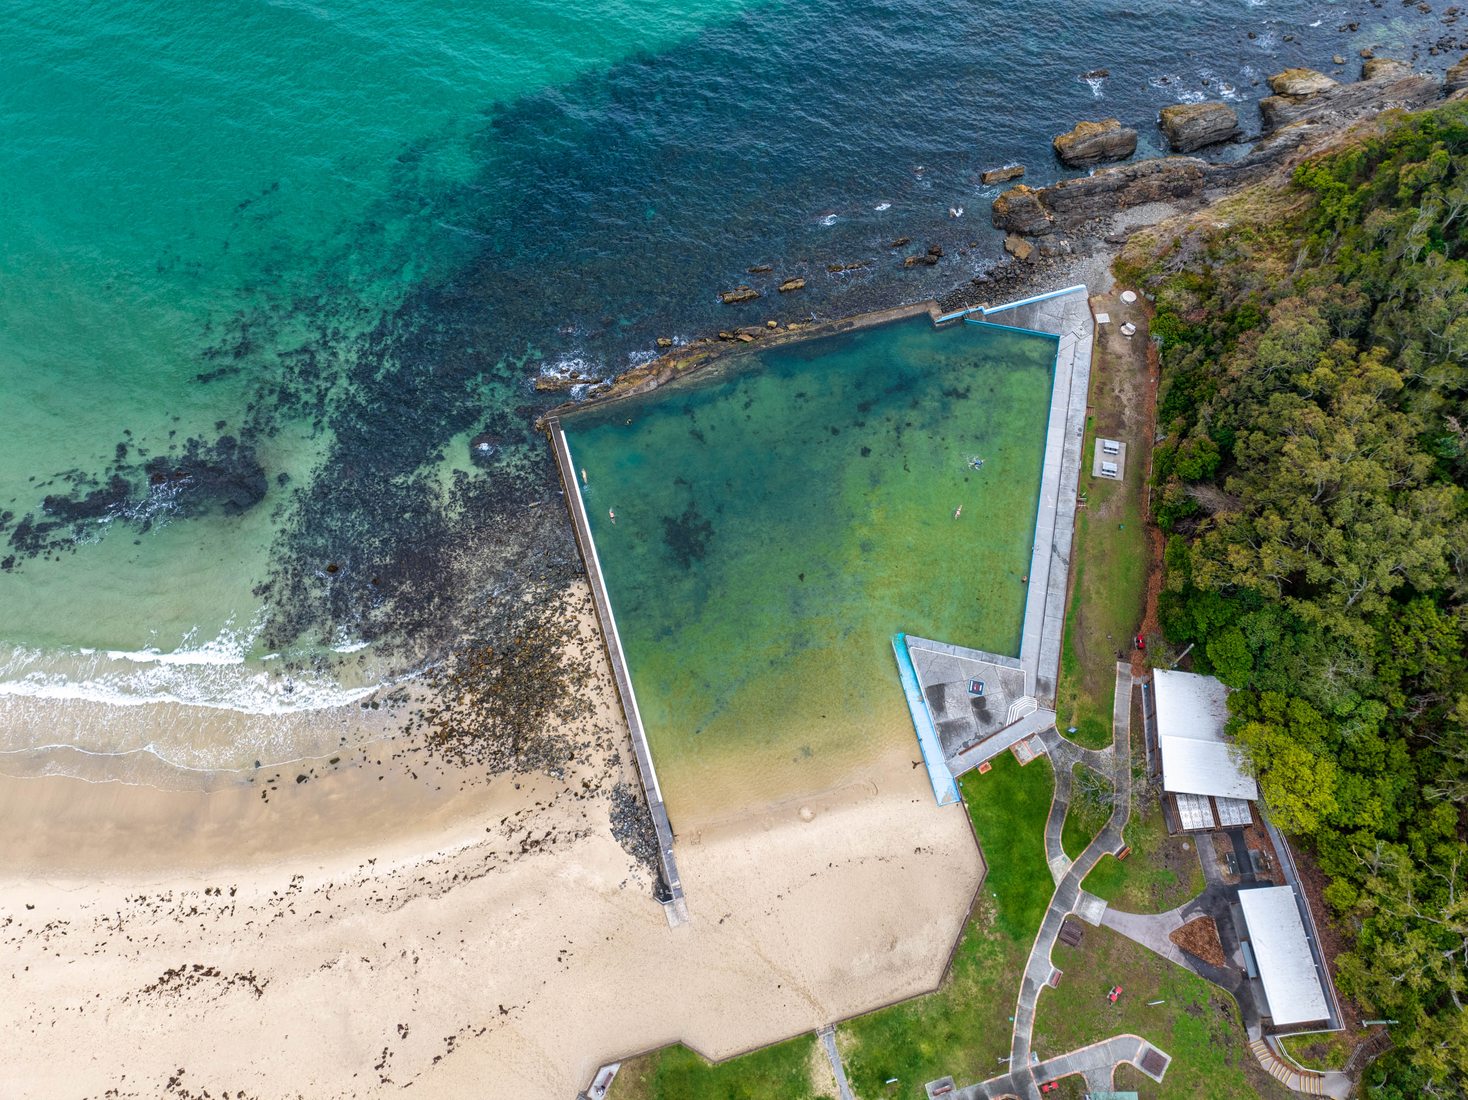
[[945, 790], [1012, 328]]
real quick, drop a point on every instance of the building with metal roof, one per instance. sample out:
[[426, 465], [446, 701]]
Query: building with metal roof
[[1204, 776], [1281, 953]]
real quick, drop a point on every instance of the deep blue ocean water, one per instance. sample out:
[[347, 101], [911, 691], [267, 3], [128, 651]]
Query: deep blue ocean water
[[267, 268]]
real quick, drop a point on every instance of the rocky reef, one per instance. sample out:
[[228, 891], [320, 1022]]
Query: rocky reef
[[1305, 110]]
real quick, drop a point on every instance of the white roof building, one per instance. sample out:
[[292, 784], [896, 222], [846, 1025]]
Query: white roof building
[[1287, 968], [1196, 760]]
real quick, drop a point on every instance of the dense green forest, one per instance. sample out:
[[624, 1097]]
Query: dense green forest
[[1311, 485]]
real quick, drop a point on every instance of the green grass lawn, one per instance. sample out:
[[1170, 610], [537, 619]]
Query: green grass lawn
[[1198, 1023], [677, 1073], [1110, 582], [1086, 816], [1162, 871], [964, 1027]]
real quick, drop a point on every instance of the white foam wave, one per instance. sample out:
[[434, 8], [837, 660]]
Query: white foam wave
[[1095, 83], [217, 673]]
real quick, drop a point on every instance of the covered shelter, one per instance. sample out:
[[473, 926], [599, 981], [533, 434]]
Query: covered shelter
[[1280, 951], [1203, 776]]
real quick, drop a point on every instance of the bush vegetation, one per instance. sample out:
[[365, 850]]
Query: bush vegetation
[[1311, 484]]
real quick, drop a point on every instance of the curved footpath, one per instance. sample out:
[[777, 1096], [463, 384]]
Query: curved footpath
[[1097, 1061]]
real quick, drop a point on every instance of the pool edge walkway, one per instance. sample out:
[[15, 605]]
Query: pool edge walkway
[[675, 908]]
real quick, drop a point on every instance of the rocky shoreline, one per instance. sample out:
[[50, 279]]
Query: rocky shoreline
[[1058, 233]]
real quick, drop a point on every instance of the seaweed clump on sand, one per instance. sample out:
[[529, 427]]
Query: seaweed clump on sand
[[506, 700]]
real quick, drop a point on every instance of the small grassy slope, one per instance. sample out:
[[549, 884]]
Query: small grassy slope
[[965, 1026], [677, 1073], [1198, 1024], [1086, 816], [1110, 581], [1320, 1052], [1161, 872]]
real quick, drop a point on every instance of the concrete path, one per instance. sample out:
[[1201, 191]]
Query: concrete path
[[1068, 891], [1096, 1063], [1151, 931], [828, 1040]]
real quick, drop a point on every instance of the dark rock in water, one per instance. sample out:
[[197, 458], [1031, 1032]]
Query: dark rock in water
[[1096, 74], [792, 284], [1091, 143], [665, 342], [1456, 78], [94, 505], [761, 269], [925, 260], [1190, 126], [485, 446], [1002, 175], [740, 293], [1019, 210], [836, 269], [225, 475], [901, 242], [935, 251]]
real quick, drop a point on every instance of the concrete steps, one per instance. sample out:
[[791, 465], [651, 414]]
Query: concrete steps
[[1307, 1081]]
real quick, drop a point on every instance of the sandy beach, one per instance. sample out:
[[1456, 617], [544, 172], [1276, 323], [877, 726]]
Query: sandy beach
[[385, 925]]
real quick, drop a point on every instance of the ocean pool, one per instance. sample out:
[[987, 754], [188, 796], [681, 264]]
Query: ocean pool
[[780, 515]]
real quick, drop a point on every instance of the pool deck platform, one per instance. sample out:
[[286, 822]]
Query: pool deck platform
[[675, 908]]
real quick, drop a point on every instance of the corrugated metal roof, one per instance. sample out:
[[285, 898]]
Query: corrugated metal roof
[[1286, 967], [1191, 712]]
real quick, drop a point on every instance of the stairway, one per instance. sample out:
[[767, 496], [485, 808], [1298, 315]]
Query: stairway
[[1304, 1081]]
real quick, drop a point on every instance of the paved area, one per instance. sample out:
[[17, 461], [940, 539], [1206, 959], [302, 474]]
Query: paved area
[[947, 675], [828, 1041], [1066, 315], [1068, 891], [675, 908]]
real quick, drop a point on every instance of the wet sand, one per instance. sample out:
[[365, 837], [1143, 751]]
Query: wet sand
[[377, 926]]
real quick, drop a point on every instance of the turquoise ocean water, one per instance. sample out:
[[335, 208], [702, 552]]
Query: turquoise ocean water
[[266, 269]]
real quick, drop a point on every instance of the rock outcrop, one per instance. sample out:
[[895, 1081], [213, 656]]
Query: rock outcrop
[[1190, 126], [1311, 118], [1384, 68], [739, 294], [1106, 190], [1393, 84], [1456, 78], [1019, 210], [1093, 142], [1018, 247], [788, 285], [1300, 82], [1002, 175]]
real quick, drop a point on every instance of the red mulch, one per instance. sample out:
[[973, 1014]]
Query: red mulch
[[1199, 938]]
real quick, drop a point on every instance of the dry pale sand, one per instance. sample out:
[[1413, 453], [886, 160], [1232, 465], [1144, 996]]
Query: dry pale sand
[[353, 935]]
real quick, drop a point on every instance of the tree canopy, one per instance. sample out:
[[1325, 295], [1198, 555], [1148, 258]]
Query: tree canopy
[[1312, 486]]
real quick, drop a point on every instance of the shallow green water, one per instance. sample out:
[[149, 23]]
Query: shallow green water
[[780, 519]]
